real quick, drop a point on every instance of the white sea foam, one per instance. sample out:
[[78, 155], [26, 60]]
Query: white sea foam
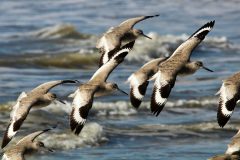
[[58, 31], [91, 135]]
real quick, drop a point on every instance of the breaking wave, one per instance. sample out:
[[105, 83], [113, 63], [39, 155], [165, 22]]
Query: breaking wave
[[85, 54]]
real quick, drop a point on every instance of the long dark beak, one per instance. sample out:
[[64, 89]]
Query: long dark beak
[[48, 149], [207, 69], [59, 100], [146, 36], [122, 91]]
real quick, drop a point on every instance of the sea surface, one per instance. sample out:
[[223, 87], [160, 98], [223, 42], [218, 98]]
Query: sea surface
[[55, 39]]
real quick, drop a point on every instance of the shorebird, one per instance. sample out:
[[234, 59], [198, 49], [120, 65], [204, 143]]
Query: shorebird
[[114, 38], [229, 96], [24, 146], [38, 97], [169, 69], [139, 80], [233, 150], [83, 96]]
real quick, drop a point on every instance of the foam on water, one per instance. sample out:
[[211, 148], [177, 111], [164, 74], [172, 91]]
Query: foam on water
[[59, 31], [84, 46], [91, 135]]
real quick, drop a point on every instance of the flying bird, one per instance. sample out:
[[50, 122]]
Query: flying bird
[[139, 80], [84, 95], [38, 97], [168, 70], [114, 38], [24, 146]]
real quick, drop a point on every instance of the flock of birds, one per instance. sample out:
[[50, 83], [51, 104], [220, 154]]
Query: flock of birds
[[114, 46]]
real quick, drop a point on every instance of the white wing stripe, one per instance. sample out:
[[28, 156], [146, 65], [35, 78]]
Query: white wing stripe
[[78, 102], [202, 30], [121, 51], [134, 83], [10, 131], [224, 98], [158, 97]]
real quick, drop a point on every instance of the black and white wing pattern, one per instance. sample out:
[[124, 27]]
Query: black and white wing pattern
[[81, 105], [161, 90], [193, 41], [227, 101], [18, 115], [116, 53], [138, 85], [203, 31]]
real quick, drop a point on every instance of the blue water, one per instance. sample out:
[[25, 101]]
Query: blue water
[[20, 20]]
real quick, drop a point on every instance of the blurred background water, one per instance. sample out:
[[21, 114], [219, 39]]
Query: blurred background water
[[48, 40]]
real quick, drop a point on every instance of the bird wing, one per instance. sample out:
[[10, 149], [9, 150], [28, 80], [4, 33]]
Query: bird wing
[[16, 156], [20, 112], [45, 87], [138, 85], [107, 45], [117, 57], [31, 137], [81, 105], [161, 90], [186, 48], [129, 23], [227, 102]]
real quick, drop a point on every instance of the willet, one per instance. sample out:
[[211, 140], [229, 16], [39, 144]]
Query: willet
[[25, 145], [233, 150], [38, 97], [115, 36], [83, 96], [229, 96], [139, 80], [169, 69]]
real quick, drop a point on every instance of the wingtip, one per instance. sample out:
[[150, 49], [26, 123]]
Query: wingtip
[[70, 81], [5, 141], [222, 119]]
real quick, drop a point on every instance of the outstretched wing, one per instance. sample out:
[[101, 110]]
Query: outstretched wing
[[128, 24], [138, 85], [106, 56], [227, 102], [117, 57], [192, 42], [31, 137], [161, 91], [19, 114], [45, 87], [81, 105]]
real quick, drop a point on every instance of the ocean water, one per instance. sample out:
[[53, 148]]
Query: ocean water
[[49, 40]]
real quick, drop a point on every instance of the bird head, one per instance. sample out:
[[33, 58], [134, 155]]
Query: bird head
[[138, 32]]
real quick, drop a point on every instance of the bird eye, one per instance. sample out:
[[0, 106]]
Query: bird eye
[[41, 144]]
